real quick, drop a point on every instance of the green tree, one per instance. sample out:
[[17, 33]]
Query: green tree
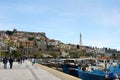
[[9, 32], [37, 55], [54, 54], [31, 38], [72, 54], [4, 54], [15, 54]]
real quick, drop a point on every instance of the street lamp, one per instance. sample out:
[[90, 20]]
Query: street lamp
[[27, 46], [0, 52]]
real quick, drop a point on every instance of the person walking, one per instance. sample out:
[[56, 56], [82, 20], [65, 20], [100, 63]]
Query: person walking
[[33, 61], [11, 62], [5, 62], [23, 59], [18, 60]]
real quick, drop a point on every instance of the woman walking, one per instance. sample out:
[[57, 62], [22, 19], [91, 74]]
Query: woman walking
[[5, 62], [33, 61], [11, 62]]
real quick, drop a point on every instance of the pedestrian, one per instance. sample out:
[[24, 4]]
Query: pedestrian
[[18, 60], [33, 61], [11, 62], [5, 62], [23, 59]]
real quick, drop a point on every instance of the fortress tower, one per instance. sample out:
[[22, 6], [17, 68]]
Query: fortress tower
[[81, 45]]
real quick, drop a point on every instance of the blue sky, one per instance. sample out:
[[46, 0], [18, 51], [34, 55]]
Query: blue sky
[[97, 20]]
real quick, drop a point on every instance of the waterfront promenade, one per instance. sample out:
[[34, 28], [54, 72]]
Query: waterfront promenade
[[26, 71]]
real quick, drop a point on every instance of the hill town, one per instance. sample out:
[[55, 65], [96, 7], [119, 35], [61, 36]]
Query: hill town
[[37, 44]]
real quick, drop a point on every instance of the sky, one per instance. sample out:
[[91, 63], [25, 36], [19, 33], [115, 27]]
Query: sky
[[97, 20]]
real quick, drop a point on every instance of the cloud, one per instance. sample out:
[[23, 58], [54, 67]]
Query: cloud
[[107, 19], [113, 20], [99, 43], [9, 26], [97, 12], [65, 19]]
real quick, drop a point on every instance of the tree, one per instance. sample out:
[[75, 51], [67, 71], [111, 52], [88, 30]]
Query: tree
[[78, 47], [72, 55], [54, 54], [9, 32], [3, 54], [31, 38], [15, 54], [36, 55]]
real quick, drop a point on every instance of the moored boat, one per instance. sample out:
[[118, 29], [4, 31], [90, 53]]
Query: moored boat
[[89, 73]]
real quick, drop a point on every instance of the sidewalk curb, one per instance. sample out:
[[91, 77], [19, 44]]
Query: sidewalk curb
[[61, 75]]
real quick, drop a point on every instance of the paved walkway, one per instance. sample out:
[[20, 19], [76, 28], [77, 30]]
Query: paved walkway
[[26, 71]]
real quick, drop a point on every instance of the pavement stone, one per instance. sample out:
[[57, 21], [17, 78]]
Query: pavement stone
[[25, 71]]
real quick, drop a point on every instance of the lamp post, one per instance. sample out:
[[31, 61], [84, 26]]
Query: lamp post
[[8, 48], [27, 47], [0, 53]]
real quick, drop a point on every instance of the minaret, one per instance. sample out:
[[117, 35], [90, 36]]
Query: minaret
[[81, 45]]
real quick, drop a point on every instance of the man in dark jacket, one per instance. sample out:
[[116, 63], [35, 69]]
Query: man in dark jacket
[[11, 62], [5, 62]]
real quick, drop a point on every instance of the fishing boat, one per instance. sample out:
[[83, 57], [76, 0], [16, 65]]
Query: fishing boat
[[89, 73]]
